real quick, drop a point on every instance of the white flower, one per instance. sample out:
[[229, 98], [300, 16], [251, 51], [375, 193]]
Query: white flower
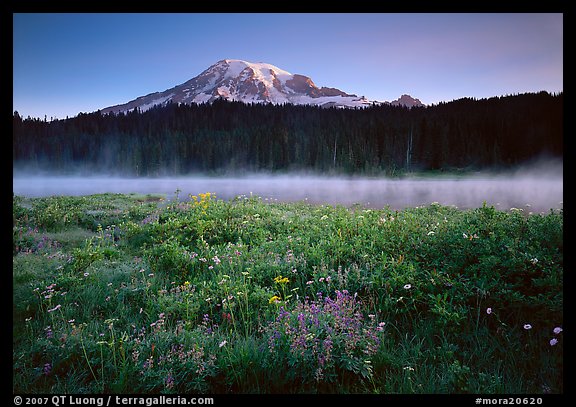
[[534, 260], [224, 342], [488, 310], [430, 233], [407, 286], [527, 326]]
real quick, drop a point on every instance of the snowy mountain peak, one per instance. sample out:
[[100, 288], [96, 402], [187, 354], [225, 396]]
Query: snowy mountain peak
[[248, 82]]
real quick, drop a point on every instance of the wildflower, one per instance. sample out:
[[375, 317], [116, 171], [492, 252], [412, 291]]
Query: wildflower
[[224, 342], [527, 326], [56, 308], [274, 299], [86, 274], [409, 368], [430, 233], [169, 381], [309, 282], [407, 286], [488, 310], [557, 330], [47, 369], [553, 341], [49, 333], [534, 260], [281, 280]]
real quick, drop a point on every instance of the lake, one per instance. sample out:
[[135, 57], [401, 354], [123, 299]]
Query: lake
[[535, 192]]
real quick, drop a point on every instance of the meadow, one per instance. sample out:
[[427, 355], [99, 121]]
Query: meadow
[[117, 293]]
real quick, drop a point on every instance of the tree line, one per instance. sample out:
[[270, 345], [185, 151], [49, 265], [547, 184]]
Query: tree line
[[226, 136]]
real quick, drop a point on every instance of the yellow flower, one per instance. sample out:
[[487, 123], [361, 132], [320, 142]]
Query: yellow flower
[[274, 300], [281, 280]]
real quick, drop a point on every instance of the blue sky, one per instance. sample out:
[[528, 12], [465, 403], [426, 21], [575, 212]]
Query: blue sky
[[64, 64]]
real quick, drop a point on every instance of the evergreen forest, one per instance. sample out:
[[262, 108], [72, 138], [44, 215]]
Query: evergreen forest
[[227, 137]]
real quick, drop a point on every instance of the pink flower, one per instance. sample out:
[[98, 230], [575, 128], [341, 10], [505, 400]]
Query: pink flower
[[57, 307], [557, 330], [488, 310]]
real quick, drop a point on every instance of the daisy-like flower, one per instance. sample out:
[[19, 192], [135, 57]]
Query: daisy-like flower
[[488, 310], [527, 326], [557, 330], [407, 286], [224, 342], [553, 341]]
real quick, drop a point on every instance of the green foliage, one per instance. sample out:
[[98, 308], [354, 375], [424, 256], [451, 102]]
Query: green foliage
[[203, 295]]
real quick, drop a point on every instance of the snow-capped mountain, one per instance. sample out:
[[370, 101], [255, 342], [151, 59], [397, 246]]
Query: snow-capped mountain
[[247, 82]]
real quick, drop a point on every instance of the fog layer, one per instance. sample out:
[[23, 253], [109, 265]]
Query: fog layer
[[536, 190]]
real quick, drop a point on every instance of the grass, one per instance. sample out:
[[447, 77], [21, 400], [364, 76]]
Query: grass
[[137, 294]]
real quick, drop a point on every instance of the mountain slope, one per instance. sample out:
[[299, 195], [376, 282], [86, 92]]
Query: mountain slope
[[248, 82]]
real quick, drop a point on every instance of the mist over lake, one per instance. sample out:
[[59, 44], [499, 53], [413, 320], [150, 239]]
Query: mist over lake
[[532, 190]]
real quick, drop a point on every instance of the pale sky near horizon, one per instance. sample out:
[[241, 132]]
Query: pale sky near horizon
[[64, 64]]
